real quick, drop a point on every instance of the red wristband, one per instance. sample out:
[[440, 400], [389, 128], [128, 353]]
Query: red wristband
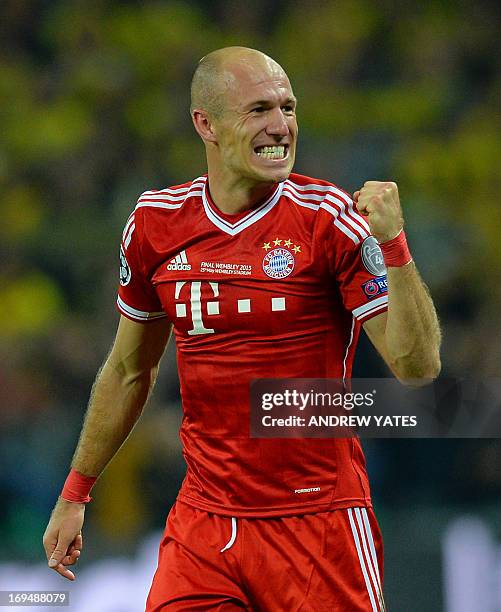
[[395, 251], [77, 487]]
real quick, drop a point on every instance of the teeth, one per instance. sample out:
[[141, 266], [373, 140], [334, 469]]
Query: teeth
[[276, 152]]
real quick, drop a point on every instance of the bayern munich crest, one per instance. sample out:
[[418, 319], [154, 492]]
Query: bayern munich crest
[[278, 263]]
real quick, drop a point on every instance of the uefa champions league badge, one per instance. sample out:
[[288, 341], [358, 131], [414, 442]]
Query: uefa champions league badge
[[372, 256], [125, 274], [279, 261]]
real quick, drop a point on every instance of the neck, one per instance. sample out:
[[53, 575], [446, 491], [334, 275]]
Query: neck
[[232, 195]]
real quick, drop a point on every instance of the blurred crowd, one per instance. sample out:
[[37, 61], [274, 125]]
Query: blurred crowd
[[94, 99]]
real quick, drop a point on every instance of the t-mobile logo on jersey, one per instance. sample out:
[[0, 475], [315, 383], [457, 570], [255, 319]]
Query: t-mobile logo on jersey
[[196, 306], [212, 306]]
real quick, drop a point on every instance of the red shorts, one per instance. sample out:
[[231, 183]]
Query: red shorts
[[314, 562]]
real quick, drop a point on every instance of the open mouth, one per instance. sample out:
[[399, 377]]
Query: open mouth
[[273, 152]]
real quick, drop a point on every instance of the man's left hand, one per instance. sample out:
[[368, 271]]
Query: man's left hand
[[379, 202]]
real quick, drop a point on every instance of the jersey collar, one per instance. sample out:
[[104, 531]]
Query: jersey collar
[[243, 222]]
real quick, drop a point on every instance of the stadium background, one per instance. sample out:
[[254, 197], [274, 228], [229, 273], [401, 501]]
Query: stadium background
[[94, 109]]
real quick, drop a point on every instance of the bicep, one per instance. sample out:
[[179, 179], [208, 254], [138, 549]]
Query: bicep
[[138, 347]]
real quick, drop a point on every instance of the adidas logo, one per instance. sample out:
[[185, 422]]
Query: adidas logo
[[180, 262]]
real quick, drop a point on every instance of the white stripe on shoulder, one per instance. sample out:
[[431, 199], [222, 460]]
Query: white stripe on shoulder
[[129, 236], [339, 193], [167, 192], [349, 202], [293, 188], [153, 204], [354, 213], [168, 199], [164, 203], [354, 219], [339, 223], [139, 315], [155, 198], [286, 191], [130, 221], [310, 186], [354, 225], [172, 191]]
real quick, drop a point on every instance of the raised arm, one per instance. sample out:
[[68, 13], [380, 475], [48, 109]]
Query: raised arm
[[118, 396], [408, 335]]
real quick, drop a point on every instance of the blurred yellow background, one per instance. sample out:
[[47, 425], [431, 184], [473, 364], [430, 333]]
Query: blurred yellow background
[[94, 109]]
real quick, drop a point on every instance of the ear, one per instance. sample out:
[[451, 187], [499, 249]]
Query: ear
[[204, 125]]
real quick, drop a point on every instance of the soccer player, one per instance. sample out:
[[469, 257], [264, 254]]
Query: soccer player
[[261, 273]]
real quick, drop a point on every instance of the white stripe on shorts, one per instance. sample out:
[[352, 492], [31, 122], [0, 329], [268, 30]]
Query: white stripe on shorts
[[361, 559], [365, 530], [371, 543]]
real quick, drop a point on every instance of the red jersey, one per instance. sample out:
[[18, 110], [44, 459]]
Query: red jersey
[[278, 291]]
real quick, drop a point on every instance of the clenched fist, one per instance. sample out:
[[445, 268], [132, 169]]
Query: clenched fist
[[379, 202]]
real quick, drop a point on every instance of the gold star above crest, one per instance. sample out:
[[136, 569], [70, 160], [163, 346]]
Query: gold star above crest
[[266, 246], [288, 242], [296, 248], [277, 242]]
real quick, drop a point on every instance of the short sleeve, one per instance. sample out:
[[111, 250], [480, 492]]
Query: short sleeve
[[137, 299], [356, 260]]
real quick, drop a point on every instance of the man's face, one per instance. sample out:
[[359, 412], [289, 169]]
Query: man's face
[[257, 131]]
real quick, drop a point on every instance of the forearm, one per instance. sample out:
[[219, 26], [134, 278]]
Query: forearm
[[115, 405], [412, 334]]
